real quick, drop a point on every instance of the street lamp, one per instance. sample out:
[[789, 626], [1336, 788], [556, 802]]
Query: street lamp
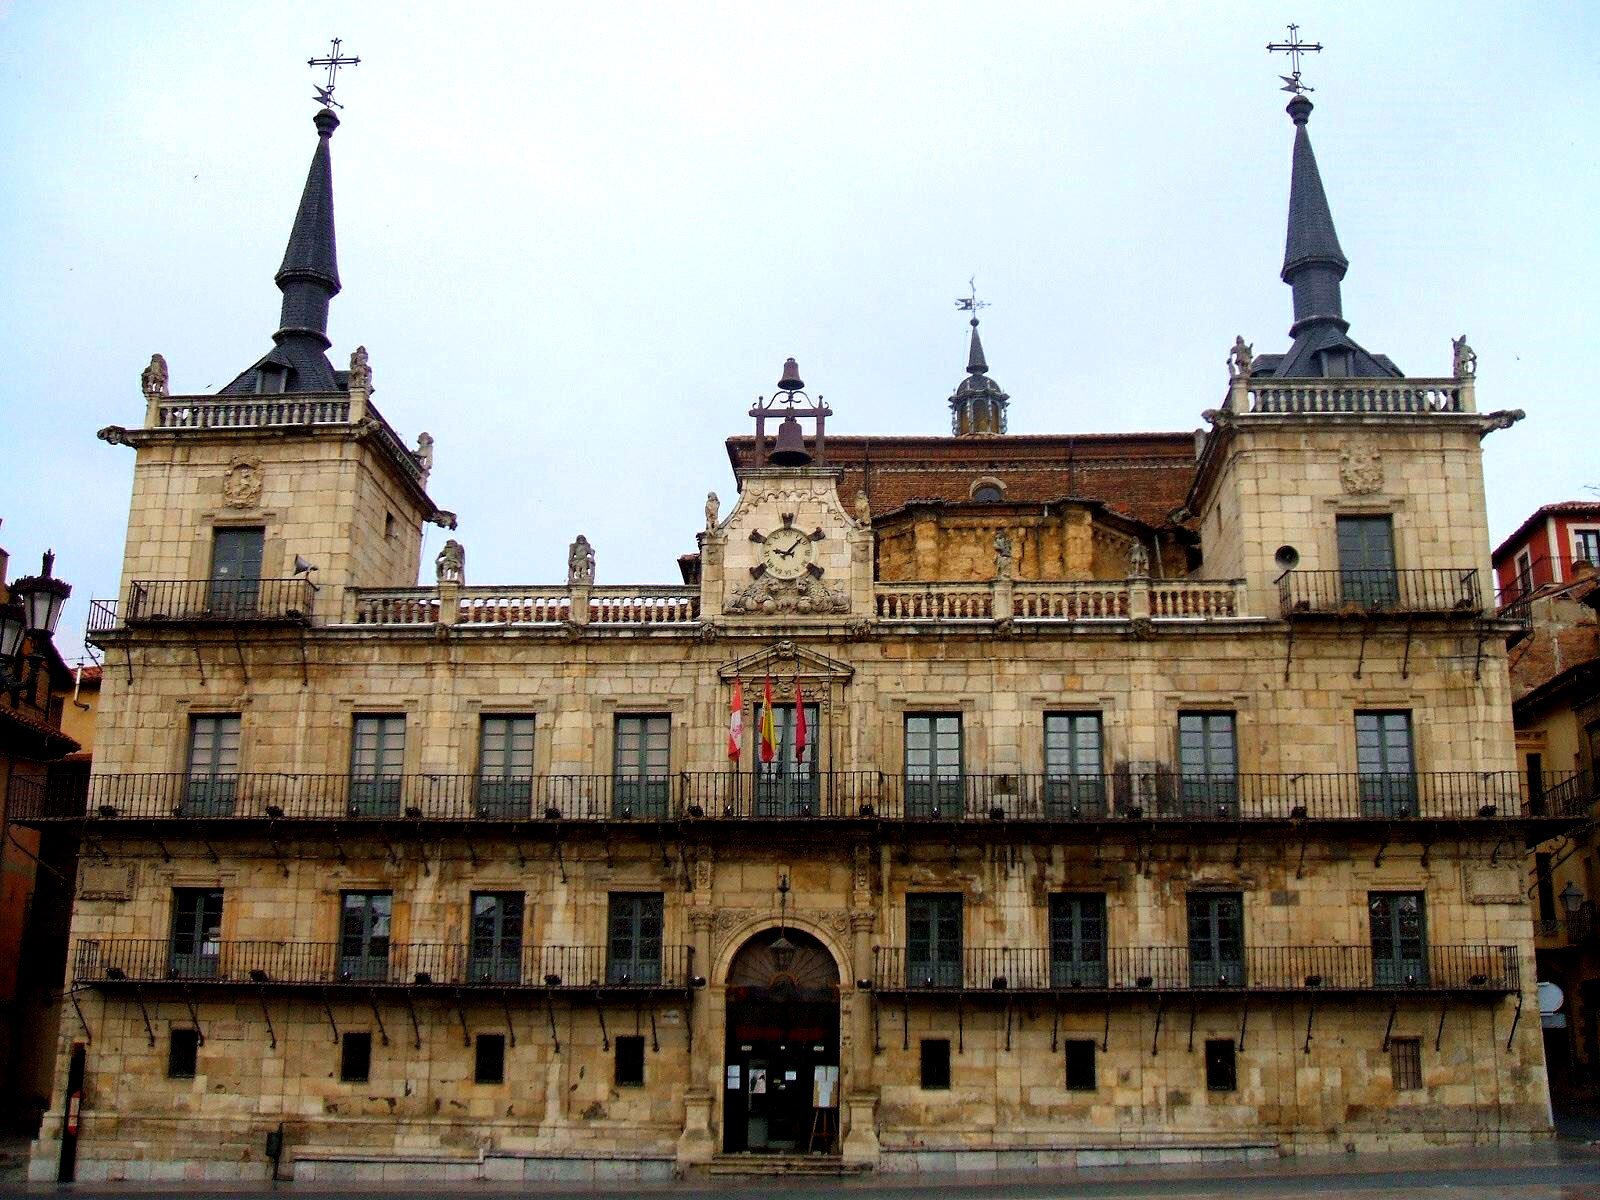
[[782, 948], [1572, 899], [34, 610]]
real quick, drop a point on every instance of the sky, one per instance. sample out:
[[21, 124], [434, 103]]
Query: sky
[[579, 239]]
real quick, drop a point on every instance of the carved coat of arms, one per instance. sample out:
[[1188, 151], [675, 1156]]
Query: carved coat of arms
[[242, 487], [1361, 468]]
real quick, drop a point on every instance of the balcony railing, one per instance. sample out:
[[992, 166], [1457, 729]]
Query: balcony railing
[[1452, 590], [1134, 969], [1122, 797], [331, 964], [206, 602], [1394, 396], [528, 606], [1061, 600]]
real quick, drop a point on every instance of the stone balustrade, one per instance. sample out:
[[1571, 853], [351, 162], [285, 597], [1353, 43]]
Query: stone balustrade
[[1087, 600], [1196, 599], [1383, 396], [555, 604], [934, 602], [252, 412]]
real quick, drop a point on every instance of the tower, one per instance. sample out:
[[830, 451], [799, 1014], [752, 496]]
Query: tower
[[289, 466], [978, 406]]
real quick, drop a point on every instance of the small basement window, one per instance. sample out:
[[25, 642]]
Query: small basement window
[[1405, 1063], [1222, 1073], [1080, 1065], [935, 1063], [490, 1059], [355, 1058], [183, 1049], [630, 1061]]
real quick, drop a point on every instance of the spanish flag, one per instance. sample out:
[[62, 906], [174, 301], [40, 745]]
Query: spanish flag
[[769, 735], [736, 722]]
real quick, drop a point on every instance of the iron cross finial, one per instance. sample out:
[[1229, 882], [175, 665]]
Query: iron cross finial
[[1294, 48], [970, 302], [333, 62]]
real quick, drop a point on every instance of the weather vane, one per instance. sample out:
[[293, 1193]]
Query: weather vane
[[1294, 48], [970, 302], [333, 62]]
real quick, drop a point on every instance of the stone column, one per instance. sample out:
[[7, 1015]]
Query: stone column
[[859, 1104], [696, 1146]]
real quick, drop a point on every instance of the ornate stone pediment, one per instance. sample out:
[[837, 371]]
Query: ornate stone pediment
[[786, 658]]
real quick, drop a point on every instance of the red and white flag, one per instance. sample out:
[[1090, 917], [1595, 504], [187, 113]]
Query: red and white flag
[[736, 722], [800, 730]]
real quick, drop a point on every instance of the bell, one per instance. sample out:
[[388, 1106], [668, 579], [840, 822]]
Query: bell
[[790, 448], [791, 381]]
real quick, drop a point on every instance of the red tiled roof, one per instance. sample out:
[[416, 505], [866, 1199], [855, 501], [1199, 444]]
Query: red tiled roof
[[54, 743]]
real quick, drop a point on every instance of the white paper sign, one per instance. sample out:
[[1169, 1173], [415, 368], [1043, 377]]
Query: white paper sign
[[733, 1077], [824, 1087]]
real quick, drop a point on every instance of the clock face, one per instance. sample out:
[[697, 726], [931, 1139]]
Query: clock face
[[787, 553]]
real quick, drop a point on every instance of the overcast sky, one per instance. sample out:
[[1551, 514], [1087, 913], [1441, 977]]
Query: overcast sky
[[578, 239]]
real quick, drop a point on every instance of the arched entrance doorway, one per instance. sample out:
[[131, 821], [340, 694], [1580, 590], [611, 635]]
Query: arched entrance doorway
[[782, 1039]]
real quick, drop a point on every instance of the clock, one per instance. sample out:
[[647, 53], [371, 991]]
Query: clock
[[787, 553]]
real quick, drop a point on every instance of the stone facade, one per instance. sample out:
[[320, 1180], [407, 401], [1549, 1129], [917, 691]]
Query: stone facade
[[1309, 1071]]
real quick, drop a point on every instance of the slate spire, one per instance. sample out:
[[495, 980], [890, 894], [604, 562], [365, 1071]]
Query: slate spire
[[309, 276], [1314, 266], [309, 280], [1313, 263], [975, 363]]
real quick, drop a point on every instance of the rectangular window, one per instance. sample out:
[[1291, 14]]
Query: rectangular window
[[1077, 940], [641, 757], [355, 1057], [495, 952], [1405, 1064], [936, 1063], [213, 768], [934, 787], [1524, 584], [1545, 886], [630, 1061], [1367, 575], [1216, 939], [377, 761], [933, 940], [1586, 546], [1399, 939], [633, 954], [489, 1058], [364, 934], [183, 1050], [788, 785], [1074, 783], [235, 584], [1385, 763], [1222, 1072], [1080, 1065], [505, 767], [1208, 765], [196, 932]]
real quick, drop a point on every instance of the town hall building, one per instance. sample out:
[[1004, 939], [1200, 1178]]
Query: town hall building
[[974, 800]]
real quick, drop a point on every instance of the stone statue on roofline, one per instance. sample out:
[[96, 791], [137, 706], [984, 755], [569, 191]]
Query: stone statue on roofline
[[360, 370], [1002, 555], [1463, 359], [1241, 360], [1138, 561], [451, 564], [153, 379], [580, 562], [424, 452], [863, 508], [713, 509]]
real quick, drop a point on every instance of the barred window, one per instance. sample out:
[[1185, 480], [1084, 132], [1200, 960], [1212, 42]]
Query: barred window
[[1405, 1063]]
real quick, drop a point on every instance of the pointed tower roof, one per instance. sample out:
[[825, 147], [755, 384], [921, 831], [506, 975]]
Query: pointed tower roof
[[309, 280], [978, 406], [1314, 266]]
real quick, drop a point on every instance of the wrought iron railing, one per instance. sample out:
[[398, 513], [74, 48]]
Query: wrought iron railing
[[1310, 969], [1125, 796], [206, 601], [376, 964], [1430, 590]]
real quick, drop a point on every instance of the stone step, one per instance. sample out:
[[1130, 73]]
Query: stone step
[[782, 1164]]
